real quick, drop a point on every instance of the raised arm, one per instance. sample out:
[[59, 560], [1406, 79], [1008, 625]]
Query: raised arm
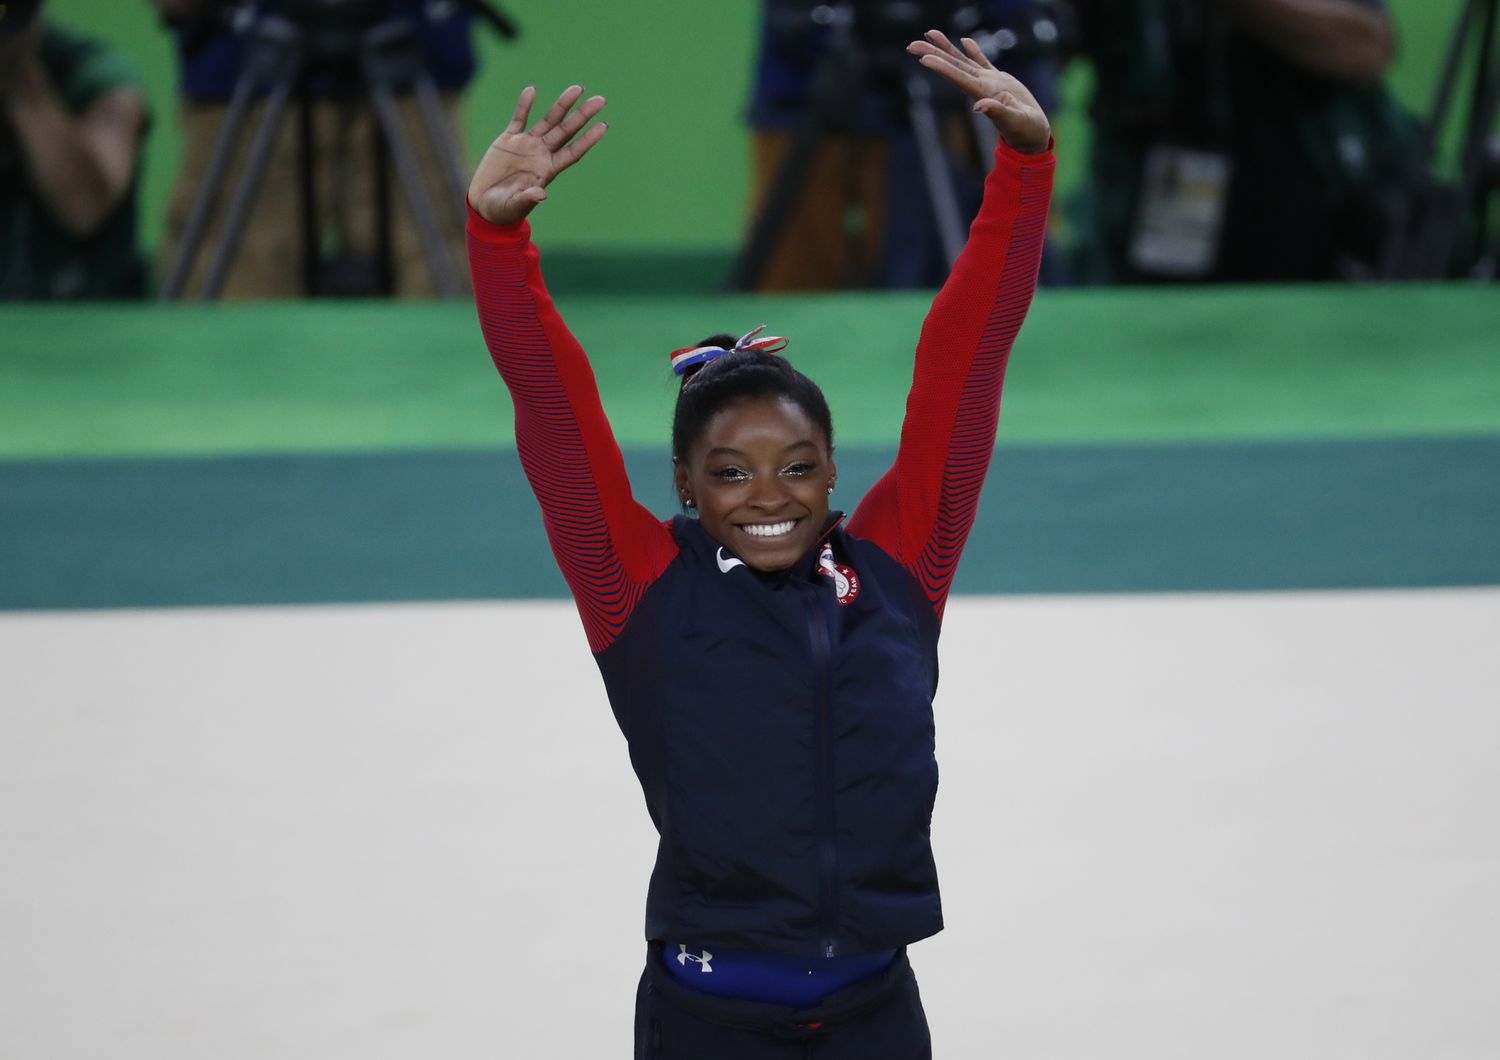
[[82, 165], [921, 511], [609, 547]]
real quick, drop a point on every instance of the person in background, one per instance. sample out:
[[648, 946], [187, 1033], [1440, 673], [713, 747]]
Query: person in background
[[73, 118], [1237, 140], [213, 40], [852, 223]]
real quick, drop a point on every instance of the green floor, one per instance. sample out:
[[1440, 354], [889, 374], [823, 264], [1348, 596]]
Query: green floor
[[1090, 365]]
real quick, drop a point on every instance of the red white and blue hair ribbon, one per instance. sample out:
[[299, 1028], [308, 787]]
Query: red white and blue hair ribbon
[[682, 360]]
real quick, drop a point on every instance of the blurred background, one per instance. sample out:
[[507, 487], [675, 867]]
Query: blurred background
[[689, 217]]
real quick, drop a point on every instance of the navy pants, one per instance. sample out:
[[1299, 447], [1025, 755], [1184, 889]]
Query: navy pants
[[879, 1017]]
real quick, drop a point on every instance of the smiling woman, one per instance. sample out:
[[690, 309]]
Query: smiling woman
[[772, 670], [752, 444], [760, 476]]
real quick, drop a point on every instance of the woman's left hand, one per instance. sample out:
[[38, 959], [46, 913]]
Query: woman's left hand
[[996, 94]]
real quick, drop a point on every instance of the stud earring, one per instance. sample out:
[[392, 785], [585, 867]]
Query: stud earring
[[830, 489], [687, 502]]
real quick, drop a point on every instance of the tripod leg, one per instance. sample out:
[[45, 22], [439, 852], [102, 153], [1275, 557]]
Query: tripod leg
[[1482, 103], [945, 211], [409, 176], [213, 181], [1432, 240], [776, 209], [1428, 226], [1477, 180], [1447, 82], [307, 189], [444, 147], [249, 187], [385, 254]]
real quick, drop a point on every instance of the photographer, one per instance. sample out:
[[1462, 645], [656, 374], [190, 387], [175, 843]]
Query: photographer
[[72, 119], [214, 38], [1238, 140]]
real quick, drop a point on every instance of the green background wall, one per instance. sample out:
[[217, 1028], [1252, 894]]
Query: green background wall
[[672, 173]]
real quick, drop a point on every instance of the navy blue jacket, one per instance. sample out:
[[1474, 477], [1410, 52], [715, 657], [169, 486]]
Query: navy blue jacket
[[782, 733], [784, 742]]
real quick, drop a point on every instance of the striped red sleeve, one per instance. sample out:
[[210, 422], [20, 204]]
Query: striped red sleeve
[[610, 548], [921, 511]]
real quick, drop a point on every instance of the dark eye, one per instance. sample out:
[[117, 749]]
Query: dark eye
[[730, 474], [801, 467]]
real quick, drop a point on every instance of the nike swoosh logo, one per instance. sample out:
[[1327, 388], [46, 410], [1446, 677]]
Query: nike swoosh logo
[[727, 565]]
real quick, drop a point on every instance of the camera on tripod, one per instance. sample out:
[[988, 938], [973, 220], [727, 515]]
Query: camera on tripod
[[857, 81], [368, 56]]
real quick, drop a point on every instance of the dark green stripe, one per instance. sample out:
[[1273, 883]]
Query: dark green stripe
[[462, 525]]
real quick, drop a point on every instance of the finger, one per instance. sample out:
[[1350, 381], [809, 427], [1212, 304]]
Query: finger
[[1022, 94], [1001, 108], [922, 47], [580, 147], [526, 197], [575, 120], [502, 207], [961, 76], [940, 40], [558, 110], [1023, 127], [523, 110], [977, 53], [523, 202]]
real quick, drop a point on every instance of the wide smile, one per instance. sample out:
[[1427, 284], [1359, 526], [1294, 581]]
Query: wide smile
[[770, 533]]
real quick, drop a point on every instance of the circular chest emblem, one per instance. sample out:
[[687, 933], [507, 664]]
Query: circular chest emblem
[[845, 584], [845, 581]]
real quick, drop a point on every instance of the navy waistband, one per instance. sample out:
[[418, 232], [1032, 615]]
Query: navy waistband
[[770, 978]]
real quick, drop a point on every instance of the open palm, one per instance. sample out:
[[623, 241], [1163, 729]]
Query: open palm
[[1018, 117], [516, 169]]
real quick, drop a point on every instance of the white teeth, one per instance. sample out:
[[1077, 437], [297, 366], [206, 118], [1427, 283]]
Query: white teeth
[[768, 529]]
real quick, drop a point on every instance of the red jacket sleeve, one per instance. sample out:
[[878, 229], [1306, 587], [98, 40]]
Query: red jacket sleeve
[[921, 511], [610, 548]]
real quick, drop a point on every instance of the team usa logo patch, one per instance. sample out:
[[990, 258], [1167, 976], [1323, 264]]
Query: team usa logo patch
[[845, 581]]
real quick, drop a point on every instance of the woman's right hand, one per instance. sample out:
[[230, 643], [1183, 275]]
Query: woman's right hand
[[514, 173]]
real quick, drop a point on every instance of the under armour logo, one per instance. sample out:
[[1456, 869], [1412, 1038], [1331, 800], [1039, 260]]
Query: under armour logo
[[685, 956]]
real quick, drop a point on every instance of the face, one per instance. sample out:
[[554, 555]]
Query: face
[[760, 475]]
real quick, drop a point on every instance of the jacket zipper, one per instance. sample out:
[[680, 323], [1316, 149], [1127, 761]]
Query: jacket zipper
[[827, 850]]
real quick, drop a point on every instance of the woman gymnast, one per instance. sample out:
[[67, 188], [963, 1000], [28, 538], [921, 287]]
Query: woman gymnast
[[771, 667]]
